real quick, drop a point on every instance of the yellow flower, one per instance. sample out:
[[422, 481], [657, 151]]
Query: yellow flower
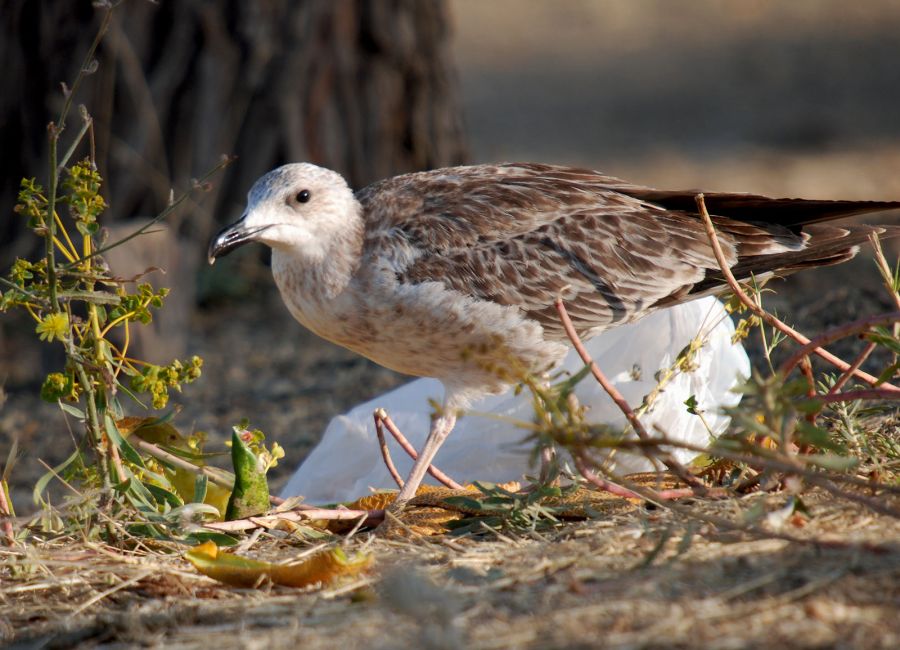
[[53, 326]]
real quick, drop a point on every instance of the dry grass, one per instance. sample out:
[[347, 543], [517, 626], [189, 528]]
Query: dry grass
[[636, 578]]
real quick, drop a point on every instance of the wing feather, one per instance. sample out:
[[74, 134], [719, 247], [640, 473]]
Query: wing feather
[[523, 234]]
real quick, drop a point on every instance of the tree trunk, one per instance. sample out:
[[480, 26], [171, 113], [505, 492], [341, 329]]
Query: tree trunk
[[365, 87]]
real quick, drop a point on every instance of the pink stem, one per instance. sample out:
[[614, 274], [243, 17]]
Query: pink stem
[[618, 490], [871, 393], [836, 334], [843, 379], [668, 460], [759, 311]]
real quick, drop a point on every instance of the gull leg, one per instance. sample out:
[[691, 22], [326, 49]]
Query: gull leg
[[548, 465], [440, 429]]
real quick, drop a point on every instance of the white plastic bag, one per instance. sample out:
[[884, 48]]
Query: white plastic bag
[[347, 462]]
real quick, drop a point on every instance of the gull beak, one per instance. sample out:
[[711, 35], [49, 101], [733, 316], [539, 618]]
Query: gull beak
[[229, 238]]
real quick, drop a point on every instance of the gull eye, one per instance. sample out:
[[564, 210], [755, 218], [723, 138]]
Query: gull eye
[[303, 196]]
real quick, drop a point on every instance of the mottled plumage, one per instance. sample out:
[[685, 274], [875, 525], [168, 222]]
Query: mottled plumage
[[453, 273]]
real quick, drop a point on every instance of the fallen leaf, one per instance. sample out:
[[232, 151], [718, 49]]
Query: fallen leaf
[[237, 571]]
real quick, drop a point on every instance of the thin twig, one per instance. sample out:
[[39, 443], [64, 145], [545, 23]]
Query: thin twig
[[667, 459], [857, 327], [751, 529], [581, 464], [759, 311], [760, 458], [378, 416], [870, 393], [807, 369], [844, 378], [159, 217], [103, 594], [872, 504], [156, 452], [409, 449], [372, 518]]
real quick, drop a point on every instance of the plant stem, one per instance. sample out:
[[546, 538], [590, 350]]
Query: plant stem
[[93, 417], [861, 326], [759, 311], [50, 222], [665, 457], [156, 452]]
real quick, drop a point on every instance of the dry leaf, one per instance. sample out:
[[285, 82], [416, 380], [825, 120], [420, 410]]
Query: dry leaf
[[237, 571]]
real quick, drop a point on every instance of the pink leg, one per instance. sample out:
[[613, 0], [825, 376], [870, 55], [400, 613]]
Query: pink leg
[[440, 429], [548, 456]]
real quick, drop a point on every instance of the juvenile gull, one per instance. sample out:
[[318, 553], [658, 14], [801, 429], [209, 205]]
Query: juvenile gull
[[453, 273]]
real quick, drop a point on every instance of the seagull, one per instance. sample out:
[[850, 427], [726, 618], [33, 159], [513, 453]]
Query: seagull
[[453, 273]]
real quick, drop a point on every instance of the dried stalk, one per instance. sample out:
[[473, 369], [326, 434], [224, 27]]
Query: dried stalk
[[751, 304], [792, 465], [845, 377], [5, 514], [750, 529], [156, 452], [370, 517], [870, 393], [884, 268], [857, 327]]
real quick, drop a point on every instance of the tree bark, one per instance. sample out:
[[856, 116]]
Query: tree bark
[[365, 87]]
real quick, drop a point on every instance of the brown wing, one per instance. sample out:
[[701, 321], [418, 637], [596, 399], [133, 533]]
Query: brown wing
[[523, 234]]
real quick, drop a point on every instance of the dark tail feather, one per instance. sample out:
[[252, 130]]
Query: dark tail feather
[[827, 245], [791, 213]]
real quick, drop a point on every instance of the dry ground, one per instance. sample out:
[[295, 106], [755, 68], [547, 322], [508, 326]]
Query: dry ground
[[594, 584]]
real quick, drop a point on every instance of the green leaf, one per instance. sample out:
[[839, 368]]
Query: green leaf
[[201, 482], [164, 496], [250, 495], [138, 494], [810, 434], [807, 406], [71, 410], [95, 297], [888, 373], [691, 403], [42, 482], [465, 503], [221, 539], [128, 452], [832, 461], [883, 337]]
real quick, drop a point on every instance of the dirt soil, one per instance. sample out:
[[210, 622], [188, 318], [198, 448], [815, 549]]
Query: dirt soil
[[634, 579]]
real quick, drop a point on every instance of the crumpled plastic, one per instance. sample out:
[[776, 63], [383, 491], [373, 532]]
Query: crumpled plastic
[[347, 462]]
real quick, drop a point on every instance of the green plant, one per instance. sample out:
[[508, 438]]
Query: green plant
[[78, 303]]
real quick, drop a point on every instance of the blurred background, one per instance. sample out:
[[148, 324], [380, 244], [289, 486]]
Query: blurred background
[[764, 96]]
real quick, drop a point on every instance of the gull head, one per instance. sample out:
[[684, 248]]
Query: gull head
[[295, 208]]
